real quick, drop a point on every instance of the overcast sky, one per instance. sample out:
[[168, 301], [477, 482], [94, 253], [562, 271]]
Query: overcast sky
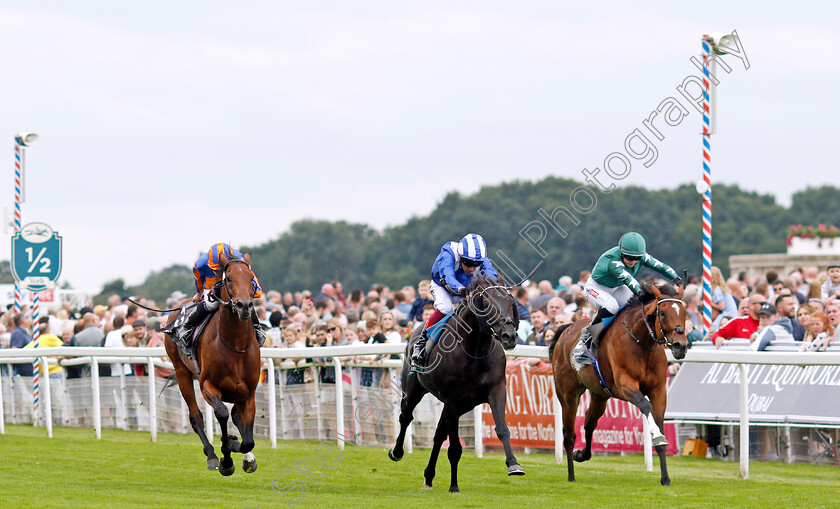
[[168, 126]]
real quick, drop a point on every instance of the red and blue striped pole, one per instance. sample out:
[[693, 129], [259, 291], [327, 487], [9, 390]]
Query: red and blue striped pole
[[18, 153], [707, 189], [36, 364]]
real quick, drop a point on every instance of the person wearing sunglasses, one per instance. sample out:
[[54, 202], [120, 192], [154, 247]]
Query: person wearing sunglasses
[[613, 282], [452, 273]]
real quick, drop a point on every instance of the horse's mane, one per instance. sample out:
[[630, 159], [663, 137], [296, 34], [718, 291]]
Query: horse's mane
[[476, 282], [648, 296]]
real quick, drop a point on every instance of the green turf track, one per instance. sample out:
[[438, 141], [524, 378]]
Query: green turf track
[[125, 469]]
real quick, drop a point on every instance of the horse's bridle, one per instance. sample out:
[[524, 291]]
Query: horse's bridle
[[504, 319], [227, 303], [679, 329]]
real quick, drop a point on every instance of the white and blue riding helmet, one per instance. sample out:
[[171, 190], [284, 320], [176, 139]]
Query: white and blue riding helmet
[[472, 247]]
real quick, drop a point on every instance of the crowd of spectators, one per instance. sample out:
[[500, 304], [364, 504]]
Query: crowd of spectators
[[802, 306]]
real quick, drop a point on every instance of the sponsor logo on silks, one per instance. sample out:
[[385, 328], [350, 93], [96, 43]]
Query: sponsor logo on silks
[[593, 293]]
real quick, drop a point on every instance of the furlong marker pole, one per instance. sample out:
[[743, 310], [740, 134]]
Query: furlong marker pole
[[36, 364], [18, 162], [706, 304]]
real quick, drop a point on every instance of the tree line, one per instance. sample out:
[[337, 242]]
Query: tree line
[[313, 251]]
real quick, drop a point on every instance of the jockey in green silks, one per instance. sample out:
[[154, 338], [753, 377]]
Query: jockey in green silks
[[613, 282]]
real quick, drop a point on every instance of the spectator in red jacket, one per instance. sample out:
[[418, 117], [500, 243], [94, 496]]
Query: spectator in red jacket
[[743, 326]]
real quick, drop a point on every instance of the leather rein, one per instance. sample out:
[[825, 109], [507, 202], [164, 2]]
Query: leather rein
[[679, 329], [227, 303]]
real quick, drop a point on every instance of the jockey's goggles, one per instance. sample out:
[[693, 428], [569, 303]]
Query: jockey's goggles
[[631, 258], [471, 263]]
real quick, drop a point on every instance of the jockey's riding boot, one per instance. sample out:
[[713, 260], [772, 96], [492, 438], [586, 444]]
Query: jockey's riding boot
[[198, 313], [596, 328], [258, 328], [418, 353]]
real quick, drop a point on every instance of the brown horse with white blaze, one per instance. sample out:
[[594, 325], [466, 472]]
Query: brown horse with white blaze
[[229, 358], [632, 360]]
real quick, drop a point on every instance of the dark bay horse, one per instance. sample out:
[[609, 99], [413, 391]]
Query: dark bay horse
[[229, 358], [632, 359], [466, 368]]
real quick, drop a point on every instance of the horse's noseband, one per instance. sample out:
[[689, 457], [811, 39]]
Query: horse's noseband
[[679, 329], [224, 279], [505, 320]]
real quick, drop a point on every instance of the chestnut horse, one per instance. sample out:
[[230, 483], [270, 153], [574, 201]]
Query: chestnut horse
[[633, 364], [229, 358]]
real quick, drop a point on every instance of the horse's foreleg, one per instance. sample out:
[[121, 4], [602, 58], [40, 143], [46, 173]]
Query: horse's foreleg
[[212, 396], [635, 396], [455, 450], [658, 400], [185, 383], [597, 406], [653, 411], [440, 436], [411, 395], [243, 417], [497, 399]]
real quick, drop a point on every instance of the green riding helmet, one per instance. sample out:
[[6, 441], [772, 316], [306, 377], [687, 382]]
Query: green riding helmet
[[632, 244]]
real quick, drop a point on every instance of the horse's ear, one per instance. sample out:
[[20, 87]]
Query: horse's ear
[[247, 257], [223, 259], [655, 291], [501, 280]]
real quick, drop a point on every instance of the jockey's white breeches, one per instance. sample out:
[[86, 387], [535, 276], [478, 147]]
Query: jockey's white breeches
[[601, 296], [444, 301]]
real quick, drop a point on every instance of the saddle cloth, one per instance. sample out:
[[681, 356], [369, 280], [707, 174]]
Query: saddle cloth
[[433, 332]]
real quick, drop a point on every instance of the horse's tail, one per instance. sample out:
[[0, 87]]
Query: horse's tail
[[171, 380], [553, 341]]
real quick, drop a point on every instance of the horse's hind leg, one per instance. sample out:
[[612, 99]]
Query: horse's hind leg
[[497, 405], [569, 398], [185, 383], [597, 406], [411, 395], [440, 436], [212, 396], [243, 417]]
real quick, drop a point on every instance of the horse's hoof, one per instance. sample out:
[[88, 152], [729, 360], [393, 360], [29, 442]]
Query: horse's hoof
[[581, 456], [454, 489], [425, 487], [660, 441], [226, 471], [393, 456], [515, 469], [249, 463], [213, 464], [665, 482]]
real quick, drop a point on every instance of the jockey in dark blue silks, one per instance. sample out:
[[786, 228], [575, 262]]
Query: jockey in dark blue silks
[[452, 273], [205, 270]]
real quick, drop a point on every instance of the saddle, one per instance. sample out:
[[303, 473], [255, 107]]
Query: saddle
[[432, 334], [188, 342]]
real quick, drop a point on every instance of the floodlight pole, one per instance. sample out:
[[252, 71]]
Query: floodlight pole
[[23, 140]]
